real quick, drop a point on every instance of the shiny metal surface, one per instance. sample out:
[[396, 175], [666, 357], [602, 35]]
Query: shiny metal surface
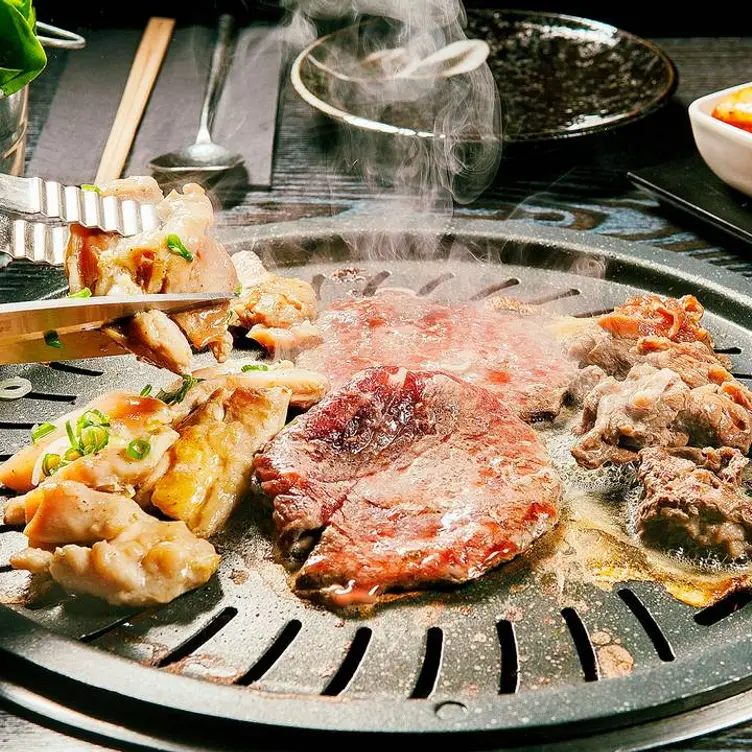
[[74, 322], [13, 120]]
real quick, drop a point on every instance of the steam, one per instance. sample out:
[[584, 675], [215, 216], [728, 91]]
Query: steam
[[444, 145]]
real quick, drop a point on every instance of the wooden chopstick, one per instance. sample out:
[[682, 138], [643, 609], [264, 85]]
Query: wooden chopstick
[[143, 74]]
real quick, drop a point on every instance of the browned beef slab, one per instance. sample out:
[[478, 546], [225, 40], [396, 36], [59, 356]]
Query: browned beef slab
[[693, 501], [411, 478]]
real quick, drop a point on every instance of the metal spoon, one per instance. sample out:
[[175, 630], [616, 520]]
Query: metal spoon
[[204, 155]]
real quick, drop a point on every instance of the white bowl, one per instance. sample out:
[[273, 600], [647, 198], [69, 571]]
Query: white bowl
[[726, 149]]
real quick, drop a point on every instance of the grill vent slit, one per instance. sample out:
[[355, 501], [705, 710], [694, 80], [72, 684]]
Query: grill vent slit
[[491, 289], [429, 672], [10, 529], [429, 287], [274, 652], [10, 425], [51, 397], [728, 350], [102, 631], [728, 605], [77, 370], [374, 282], [509, 681], [593, 314], [4, 457], [653, 630], [316, 281], [571, 293], [351, 663], [582, 643], [5, 568], [215, 625]]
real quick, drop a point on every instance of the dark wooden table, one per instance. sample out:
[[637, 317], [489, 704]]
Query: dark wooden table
[[584, 189]]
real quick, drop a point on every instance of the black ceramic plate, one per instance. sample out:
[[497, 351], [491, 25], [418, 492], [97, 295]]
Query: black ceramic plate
[[691, 187], [558, 76]]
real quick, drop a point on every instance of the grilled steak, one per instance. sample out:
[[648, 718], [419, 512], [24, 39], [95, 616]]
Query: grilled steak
[[509, 352], [410, 478], [694, 501]]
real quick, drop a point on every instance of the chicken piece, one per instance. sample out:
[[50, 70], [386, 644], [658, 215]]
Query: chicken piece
[[143, 189], [129, 411], [178, 256], [306, 387], [287, 342], [210, 465], [154, 338], [719, 415], [621, 417], [693, 501], [105, 545], [693, 361], [277, 310], [656, 315]]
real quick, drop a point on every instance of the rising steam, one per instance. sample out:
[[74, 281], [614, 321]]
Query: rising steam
[[368, 72]]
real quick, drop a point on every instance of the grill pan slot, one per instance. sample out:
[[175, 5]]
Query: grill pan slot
[[649, 624]]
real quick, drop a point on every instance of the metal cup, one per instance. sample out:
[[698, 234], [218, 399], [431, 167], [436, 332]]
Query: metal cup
[[14, 109]]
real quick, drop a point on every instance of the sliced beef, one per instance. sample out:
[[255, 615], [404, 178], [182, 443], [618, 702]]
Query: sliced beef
[[513, 355], [584, 382], [621, 417], [693, 501], [408, 479], [719, 415], [693, 361]]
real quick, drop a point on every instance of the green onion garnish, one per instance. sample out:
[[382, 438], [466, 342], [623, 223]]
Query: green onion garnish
[[40, 431], [52, 340], [239, 288], [146, 391], [138, 449], [83, 293], [90, 187], [71, 434], [254, 367], [92, 418], [71, 455], [50, 463], [175, 244], [178, 395], [94, 438]]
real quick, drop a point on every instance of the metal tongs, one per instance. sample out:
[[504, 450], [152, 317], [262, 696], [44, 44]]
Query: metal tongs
[[47, 208], [39, 331]]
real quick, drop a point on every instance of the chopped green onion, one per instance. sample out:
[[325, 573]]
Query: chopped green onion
[[146, 391], [138, 449], [83, 293], [255, 367], [90, 187], [71, 454], [71, 434], [40, 431], [178, 395], [175, 244], [94, 438], [50, 463], [92, 418], [52, 340], [239, 288]]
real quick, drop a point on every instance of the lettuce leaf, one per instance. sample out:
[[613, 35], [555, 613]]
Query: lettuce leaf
[[22, 57]]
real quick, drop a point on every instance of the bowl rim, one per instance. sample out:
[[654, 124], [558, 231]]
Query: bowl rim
[[697, 113]]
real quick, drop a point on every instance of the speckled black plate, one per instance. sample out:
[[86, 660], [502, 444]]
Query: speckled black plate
[[558, 76]]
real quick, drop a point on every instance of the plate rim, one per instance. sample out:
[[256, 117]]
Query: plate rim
[[539, 137]]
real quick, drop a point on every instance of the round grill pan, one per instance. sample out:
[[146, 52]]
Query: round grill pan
[[503, 662]]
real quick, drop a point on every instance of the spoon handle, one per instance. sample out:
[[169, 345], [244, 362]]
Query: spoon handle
[[220, 64]]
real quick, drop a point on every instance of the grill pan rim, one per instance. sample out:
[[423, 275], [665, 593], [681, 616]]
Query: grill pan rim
[[20, 636]]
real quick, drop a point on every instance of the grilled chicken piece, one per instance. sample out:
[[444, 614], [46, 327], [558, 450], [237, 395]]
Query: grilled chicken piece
[[621, 417], [151, 262], [154, 338], [306, 387], [105, 545], [693, 501], [210, 465], [129, 412], [277, 310]]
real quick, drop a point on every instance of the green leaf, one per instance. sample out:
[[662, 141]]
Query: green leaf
[[22, 57], [175, 244]]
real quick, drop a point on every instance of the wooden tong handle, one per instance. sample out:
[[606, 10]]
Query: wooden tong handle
[[143, 74]]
